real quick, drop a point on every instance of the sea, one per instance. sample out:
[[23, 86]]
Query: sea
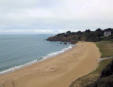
[[20, 50]]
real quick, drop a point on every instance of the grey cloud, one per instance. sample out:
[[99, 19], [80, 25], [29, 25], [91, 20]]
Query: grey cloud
[[55, 14]]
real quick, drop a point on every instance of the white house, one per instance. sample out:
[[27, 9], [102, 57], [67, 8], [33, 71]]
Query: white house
[[107, 33]]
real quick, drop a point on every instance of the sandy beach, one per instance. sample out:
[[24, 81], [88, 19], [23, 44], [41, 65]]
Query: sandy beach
[[58, 71]]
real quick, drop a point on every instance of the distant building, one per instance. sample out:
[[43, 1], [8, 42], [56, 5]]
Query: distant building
[[107, 33]]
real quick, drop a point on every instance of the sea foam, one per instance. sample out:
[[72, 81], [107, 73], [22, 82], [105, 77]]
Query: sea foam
[[57, 52], [12, 69]]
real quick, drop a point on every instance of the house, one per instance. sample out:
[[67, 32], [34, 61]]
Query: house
[[107, 33]]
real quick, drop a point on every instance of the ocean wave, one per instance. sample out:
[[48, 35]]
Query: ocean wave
[[57, 52], [17, 67], [36, 61]]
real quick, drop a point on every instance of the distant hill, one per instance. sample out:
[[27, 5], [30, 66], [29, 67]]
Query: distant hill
[[88, 35]]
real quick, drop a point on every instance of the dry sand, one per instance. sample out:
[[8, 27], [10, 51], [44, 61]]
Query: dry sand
[[58, 71]]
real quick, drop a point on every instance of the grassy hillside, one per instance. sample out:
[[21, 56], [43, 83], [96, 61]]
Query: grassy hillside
[[106, 49]]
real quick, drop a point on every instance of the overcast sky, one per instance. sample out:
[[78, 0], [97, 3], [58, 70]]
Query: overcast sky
[[51, 16]]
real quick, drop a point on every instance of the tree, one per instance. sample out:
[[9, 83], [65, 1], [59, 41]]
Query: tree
[[88, 31], [68, 32]]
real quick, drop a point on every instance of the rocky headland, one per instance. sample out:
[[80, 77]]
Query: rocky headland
[[88, 35]]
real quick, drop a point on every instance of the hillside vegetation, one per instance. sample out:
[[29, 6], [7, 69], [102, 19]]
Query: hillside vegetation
[[88, 35], [106, 48]]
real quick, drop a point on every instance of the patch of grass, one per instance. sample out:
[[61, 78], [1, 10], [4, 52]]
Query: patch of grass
[[102, 65], [106, 48]]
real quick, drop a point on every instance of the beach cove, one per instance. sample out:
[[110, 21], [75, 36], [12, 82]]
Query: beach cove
[[58, 71]]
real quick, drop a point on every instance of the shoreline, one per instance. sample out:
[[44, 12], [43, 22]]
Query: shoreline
[[58, 71], [50, 55]]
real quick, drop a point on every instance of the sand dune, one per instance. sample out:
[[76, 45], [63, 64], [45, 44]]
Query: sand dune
[[58, 71]]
